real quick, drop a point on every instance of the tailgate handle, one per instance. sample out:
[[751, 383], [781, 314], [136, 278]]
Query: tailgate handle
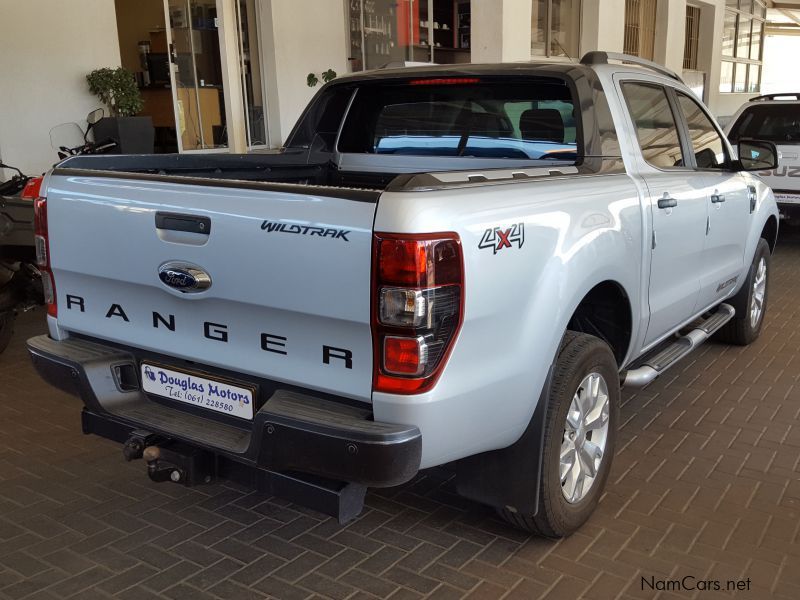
[[181, 222]]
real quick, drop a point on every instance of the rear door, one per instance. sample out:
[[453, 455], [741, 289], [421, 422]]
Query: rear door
[[727, 203], [289, 269], [677, 198]]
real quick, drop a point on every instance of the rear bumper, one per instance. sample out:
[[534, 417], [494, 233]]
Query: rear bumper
[[291, 432]]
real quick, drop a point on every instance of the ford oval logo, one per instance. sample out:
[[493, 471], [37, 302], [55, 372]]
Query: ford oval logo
[[184, 277]]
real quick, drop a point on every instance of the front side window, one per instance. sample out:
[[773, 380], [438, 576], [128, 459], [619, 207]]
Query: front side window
[[476, 118], [707, 145], [655, 124]]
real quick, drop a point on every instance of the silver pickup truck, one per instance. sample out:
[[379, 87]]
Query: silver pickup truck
[[445, 265]]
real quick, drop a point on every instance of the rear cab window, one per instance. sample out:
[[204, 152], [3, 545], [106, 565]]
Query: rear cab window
[[777, 123], [531, 119]]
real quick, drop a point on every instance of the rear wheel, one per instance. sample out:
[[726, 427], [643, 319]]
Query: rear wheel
[[750, 302], [579, 437]]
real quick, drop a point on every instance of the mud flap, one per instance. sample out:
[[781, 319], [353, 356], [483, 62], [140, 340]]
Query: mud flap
[[509, 477]]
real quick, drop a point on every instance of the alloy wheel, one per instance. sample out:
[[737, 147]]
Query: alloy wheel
[[585, 437]]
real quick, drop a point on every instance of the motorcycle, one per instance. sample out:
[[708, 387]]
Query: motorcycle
[[69, 139], [20, 280]]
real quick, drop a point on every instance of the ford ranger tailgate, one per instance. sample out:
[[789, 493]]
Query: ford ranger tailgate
[[271, 280]]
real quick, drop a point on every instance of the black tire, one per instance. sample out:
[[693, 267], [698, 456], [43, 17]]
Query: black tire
[[740, 330], [6, 329], [580, 355]]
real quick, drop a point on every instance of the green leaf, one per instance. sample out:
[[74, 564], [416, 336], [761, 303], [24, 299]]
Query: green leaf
[[117, 89]]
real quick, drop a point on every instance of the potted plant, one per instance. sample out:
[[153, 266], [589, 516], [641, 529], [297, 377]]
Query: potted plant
[[117, 89]]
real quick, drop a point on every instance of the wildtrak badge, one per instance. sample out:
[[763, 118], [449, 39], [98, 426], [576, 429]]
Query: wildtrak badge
[[272, 226]]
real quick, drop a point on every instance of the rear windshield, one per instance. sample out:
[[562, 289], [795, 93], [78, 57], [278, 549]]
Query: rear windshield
[[534, 119], [778, 123]]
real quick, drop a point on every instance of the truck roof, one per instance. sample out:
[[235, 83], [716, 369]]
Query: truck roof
[[596, 61], [467, 70]]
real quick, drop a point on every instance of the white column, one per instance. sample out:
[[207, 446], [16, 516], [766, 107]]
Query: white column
[[236, 126], [602, 25], [709, 56], [298, 37], [501, 31], [670, 34]]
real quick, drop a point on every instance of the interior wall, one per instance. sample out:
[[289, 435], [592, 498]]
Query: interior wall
[[135, 20], [299, 37], [48, 49]]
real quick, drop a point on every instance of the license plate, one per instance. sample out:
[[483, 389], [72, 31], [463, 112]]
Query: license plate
[[190, 388], [788, 198]]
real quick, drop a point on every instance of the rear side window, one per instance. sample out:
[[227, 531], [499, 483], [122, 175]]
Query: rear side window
[[534, 119], [655, 124], [778, 123]]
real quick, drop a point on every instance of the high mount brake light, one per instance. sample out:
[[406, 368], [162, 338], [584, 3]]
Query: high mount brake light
[[42, 242], [445, 81], [417, 308]]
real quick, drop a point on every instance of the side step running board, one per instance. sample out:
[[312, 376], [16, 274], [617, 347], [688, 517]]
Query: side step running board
[[655, 365]]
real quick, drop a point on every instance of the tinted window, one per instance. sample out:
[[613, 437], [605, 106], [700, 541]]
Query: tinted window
[[779, 123], [487, 119], [320, 124], [707, 145], [655, 124]]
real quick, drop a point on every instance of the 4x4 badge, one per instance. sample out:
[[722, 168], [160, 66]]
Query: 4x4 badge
[[497, 238]]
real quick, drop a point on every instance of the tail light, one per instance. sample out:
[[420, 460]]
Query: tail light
[[32, 188], [42, 242], [417, 308]]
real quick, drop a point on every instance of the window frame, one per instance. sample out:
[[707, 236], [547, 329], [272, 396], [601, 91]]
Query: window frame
[[686, 132], [685, 145], [754, 14]]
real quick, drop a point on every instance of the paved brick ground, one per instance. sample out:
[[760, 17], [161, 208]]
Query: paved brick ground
[[706, 483]]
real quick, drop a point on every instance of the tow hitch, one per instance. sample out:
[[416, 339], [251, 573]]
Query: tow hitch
[[168, 460]]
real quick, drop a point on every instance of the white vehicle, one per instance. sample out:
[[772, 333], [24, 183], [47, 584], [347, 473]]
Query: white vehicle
[[775, 118], [445, 265]]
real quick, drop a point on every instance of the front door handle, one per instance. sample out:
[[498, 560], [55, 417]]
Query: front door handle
[[717, 198], [667, 202]]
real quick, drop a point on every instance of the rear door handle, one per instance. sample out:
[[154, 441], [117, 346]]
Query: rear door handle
[[183, 222], [667, 202], [717, 198]]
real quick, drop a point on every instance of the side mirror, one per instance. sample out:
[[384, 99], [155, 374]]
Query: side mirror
[[94, 116], [756, 155]]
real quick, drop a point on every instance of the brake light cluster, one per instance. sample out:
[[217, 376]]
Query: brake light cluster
[[42, 242], [32, 188], [418, 300]]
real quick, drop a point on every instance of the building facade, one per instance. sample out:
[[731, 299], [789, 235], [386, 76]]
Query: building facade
[[234, 75]]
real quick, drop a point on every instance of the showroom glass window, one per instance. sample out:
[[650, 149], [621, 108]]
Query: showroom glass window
[[393, 31], [655, 124], [742, 41], [555, 27]]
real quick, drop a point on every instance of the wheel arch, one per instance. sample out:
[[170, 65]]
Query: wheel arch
[[605, 311], [770, 233]]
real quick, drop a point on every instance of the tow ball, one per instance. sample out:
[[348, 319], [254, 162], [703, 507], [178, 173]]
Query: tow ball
[[168, 460]]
